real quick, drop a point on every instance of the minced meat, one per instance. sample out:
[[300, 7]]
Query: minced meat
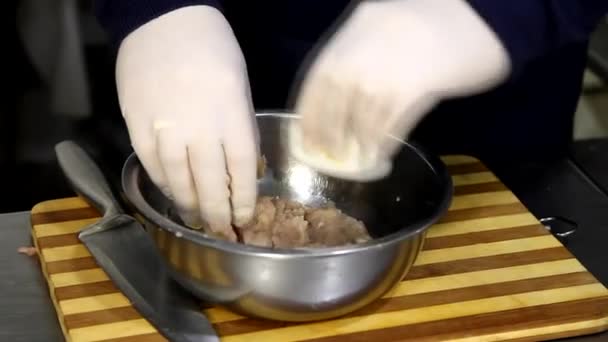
[[281, 223]]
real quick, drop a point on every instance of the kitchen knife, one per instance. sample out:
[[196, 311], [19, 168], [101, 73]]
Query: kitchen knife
[[123, 249]]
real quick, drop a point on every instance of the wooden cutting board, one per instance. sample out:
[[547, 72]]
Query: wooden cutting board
[[488, 272]]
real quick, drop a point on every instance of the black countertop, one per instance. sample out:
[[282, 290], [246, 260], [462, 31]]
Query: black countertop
[[26, 311], [573, 188], [591, 156]]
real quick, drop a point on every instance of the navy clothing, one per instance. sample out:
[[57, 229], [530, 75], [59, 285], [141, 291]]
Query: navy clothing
[[531, 115]]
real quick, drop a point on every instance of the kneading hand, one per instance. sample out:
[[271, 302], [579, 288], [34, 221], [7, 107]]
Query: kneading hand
[[387, 65], [184, 94]]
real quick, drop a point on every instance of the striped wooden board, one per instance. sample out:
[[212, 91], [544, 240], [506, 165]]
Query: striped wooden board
[[488, 272]]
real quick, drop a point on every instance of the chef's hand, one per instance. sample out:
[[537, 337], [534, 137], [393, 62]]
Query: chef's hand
[[388, 65], [185, 96]]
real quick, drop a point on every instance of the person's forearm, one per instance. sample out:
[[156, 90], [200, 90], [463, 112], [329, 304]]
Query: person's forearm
[[529, 29], [121, 17]]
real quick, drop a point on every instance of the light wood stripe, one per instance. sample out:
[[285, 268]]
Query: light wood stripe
[[452, 282], [422, 302], [458, 159], [248, 325], [590, 325], [78, 278], [474, 178], [558, 335], [59, 204], [220, 315], [153, 337], [62, 228], [93, 303], [482, 200], [65, 253], [493, 276], [44, 268], [487, 249], [553, 315], [112, 330], [425, 314], [483, 224]]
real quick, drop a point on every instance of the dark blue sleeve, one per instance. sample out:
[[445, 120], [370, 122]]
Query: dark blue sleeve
[[121, 17], [531, 28]]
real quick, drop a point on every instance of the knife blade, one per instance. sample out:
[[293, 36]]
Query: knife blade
[[122, 248]]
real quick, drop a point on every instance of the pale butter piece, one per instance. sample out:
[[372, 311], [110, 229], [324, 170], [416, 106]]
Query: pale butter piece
[[355, 166]]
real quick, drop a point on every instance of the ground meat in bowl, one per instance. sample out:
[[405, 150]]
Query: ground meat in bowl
[[281, 223]]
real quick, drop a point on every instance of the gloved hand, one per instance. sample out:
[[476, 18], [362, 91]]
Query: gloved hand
[[184, 93], [388, 65]]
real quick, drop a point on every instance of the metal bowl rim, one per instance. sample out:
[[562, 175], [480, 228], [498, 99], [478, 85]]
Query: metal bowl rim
[[132, 170]]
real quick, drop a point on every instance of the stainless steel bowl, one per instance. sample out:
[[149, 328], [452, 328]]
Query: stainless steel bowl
[[303, 284]]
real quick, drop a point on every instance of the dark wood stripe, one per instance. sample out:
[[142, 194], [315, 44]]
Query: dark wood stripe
[[489, 236], [479, 188], [483, 212], [488, 263], [561, 334], [154, 337], [247, 325], [431, 243], [488, 323], [87, 319], [460, 169], [417, 272], [64, 215], [71, 265], [58, 240], [85, 290]]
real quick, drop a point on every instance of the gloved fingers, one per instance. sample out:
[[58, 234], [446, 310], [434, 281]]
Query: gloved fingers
[[144, 144], [404, 116], [208, 167], [241, 153], [252, 116], [311, 106], [173, 155], [329, 111], [368, 114], [336, 118], [241, 161]]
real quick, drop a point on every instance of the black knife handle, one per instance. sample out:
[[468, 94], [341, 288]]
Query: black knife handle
[[86, 178]]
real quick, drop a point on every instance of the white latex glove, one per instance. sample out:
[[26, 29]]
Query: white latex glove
[[388, 65], [185, 96]]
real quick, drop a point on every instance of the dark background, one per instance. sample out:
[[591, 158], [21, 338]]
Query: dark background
[[30, 128]]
